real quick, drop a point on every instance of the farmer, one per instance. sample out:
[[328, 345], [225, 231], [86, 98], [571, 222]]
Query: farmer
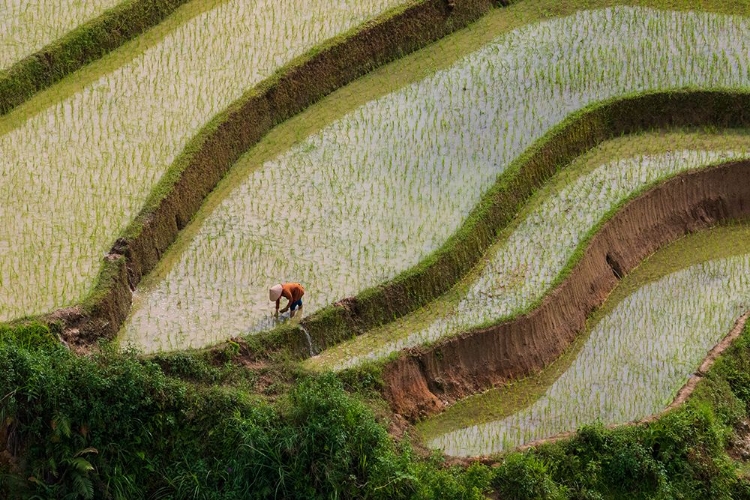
[[293, 292]]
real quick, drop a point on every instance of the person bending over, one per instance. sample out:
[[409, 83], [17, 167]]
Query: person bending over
[[292, 292]]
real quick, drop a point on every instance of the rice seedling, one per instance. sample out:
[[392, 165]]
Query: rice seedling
[[378, 190], [632, 365], [76, 173], [27, 26]]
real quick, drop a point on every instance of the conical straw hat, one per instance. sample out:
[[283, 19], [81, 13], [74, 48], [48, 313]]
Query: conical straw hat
[[274, 292]]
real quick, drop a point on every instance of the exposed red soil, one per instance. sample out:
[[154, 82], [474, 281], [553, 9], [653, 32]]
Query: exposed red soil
[[422, 379]]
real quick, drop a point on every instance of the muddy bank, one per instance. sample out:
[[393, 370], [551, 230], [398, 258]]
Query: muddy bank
[[422, 381]]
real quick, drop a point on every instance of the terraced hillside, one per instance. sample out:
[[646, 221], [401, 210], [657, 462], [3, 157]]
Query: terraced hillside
[[640, 347], [546, 239], [136, 119], [343, 228], [457, 216], [431, 151]]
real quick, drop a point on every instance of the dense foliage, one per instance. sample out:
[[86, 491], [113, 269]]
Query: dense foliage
[[115, 425]]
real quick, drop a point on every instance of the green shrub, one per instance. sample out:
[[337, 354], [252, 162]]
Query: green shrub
[[434, 481], [188, 366], [114, 425], [324, 445], [524, 477], [734, 367], [30, 335]]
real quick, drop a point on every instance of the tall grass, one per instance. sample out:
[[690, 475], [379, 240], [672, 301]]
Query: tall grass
[[115, 426]]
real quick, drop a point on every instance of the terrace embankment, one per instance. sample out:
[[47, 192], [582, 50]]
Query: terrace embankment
[[423, 380]]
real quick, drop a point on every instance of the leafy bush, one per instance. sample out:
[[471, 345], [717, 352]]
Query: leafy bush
[[188, 366], [29, 335], [524, 477]]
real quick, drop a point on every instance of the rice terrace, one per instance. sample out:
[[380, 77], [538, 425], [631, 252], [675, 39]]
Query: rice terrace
[[506, 245]]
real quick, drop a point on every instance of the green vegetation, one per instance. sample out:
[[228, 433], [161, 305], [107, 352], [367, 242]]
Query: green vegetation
[[115, 425]]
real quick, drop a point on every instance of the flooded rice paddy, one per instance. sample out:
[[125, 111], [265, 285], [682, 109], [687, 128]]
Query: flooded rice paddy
[[76, 173], [378, 190], [521, 269]]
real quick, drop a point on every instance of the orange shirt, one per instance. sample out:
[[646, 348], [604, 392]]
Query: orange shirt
[[291, 291]]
